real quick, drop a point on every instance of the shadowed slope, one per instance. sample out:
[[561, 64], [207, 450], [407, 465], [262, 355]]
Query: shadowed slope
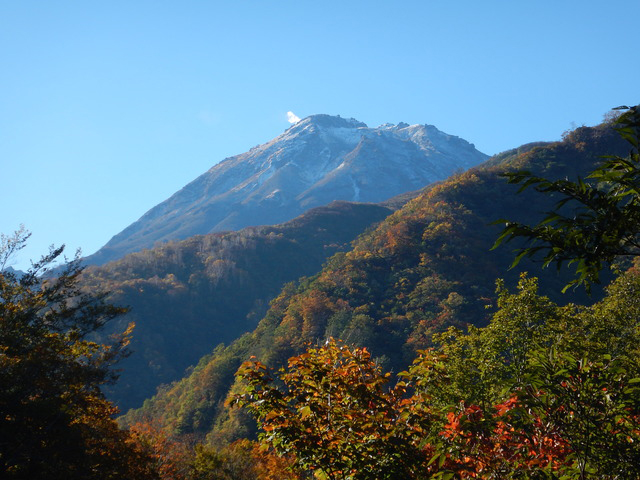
[[188, 296]]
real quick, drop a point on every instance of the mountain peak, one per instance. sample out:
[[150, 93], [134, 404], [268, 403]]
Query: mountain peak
[[393, 126], [330, 121], [319, 159]]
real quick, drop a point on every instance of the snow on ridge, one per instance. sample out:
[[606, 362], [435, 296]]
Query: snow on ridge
[[312, 161], [356, 189], [335, 137], [350, 136]]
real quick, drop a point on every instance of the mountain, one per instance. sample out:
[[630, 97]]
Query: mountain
[[424, 268], [13, 271], [318, 160], [188, 296]]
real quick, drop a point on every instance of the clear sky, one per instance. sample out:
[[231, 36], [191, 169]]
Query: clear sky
[[108, 108]]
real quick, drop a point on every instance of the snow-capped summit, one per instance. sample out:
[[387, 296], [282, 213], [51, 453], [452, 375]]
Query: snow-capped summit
[[329, 121], [319, 159]]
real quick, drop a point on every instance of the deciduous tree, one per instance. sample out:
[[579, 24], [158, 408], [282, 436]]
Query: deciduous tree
[[54, 420], [333, 414], [596, 219]]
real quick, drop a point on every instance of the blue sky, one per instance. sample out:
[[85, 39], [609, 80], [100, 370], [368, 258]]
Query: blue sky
[[107, 108]]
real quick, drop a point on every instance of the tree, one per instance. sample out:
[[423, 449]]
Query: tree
[[54, 420], [241, 460], [333, 415], [542, 392], [596, 219]]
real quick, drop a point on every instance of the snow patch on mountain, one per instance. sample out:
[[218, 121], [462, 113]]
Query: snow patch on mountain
[[317, 160]]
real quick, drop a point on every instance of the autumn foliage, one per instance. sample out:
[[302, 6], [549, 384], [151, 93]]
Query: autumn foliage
[[426, 267], [506, 401], [55, 421], [335, 414]]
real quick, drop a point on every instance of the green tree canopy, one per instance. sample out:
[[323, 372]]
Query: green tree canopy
[[595, 220], [542, 392]]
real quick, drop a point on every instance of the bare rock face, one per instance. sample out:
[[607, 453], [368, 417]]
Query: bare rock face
[[318, 160]]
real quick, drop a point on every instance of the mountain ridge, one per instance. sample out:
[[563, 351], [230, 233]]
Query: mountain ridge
[[317, 160], [187, 296]]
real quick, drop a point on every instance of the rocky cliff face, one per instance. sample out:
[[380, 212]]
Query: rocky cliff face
[[318, 160]]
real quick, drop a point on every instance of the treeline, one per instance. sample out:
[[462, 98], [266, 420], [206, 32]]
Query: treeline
[[542, 392]]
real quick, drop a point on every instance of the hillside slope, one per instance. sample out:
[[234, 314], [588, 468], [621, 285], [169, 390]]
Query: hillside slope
[[188, 296], [425, 267]]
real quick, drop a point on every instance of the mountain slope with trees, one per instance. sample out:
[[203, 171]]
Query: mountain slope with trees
[[541, 392], [425, 268], [186, 297]]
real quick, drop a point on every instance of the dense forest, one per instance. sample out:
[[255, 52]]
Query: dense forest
[[186, 297], [542, 391], [416, 353]]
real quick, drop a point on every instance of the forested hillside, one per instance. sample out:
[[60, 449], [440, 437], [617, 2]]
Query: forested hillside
[[425, 268], [542, 391], [187, 297]]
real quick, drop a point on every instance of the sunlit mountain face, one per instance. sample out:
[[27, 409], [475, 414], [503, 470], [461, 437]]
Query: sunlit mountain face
[[319, 159]]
